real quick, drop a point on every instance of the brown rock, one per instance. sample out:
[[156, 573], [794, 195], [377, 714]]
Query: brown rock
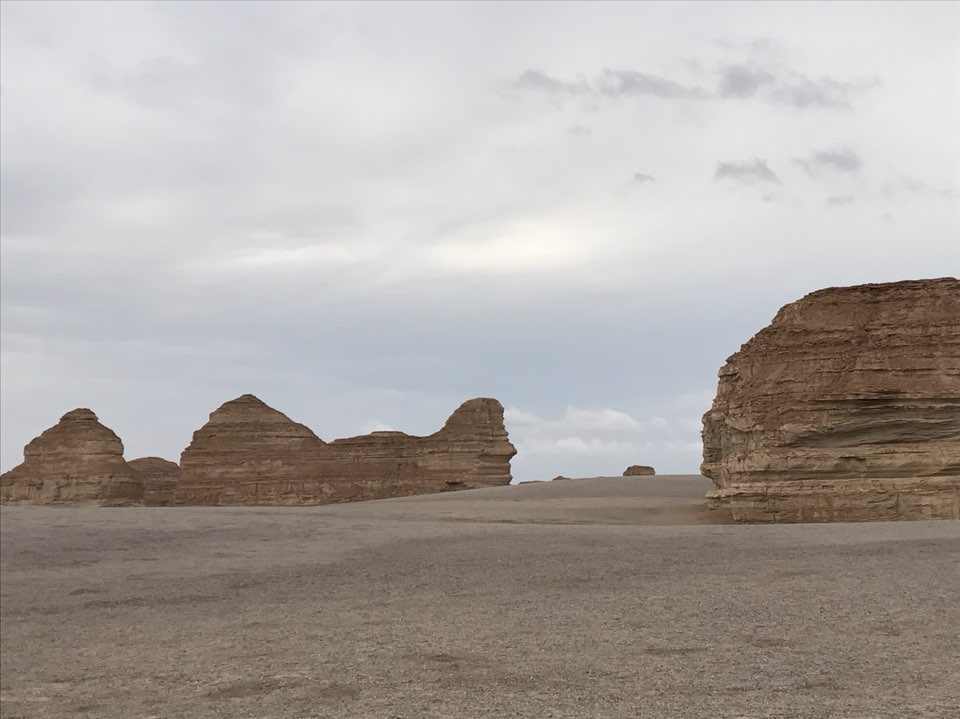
[[845, 408], [251, 454], [247, 448], [639, 470], [159, 479], [77, 461]]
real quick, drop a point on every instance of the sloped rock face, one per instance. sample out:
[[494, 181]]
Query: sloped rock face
[[77, 461], [845, 408], [245, 450], [159, 478], [250, 454], [639, 470]]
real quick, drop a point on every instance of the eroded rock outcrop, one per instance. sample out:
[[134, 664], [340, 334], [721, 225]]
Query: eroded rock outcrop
[[639, 470], [845, 408], [251, 454], [159, 478], [77, 461]]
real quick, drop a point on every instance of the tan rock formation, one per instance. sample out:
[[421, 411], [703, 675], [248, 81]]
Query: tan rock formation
[[249, 453], [77, 461], [639, 470], [246, 450], [159, 479], [845, 408]]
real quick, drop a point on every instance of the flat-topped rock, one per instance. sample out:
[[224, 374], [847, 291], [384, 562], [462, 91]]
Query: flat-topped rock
[[639, 470], [77, 461], [249, 453], [845, 408]]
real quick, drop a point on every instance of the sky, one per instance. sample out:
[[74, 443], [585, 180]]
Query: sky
[[367, 213]]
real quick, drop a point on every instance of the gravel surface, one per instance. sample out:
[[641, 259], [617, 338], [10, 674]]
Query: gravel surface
[[599, 598]]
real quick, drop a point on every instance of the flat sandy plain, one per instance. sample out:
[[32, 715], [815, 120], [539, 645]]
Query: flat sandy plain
[[601, 597]]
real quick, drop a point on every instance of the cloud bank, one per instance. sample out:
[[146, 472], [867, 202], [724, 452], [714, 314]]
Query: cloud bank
[[366, 214]]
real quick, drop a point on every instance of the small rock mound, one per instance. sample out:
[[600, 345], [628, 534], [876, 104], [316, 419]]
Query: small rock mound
[[77, 461], [159, 479]]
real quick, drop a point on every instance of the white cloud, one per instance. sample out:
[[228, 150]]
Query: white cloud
[[593, 441], [375, 425]]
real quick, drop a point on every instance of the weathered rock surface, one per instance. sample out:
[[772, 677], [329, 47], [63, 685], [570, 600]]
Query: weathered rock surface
[[159, 479], [845, 408], [639, 470], [251, 454], [77, 461]]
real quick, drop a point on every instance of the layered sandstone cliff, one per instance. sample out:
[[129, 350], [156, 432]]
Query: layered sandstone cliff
[[77, 461], [845, 408], [249, 453]]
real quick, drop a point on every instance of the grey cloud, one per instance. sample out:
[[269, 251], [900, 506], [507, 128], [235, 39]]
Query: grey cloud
[[912, 187], [578, 130], [825, 92], [639, 178], [843, 159], [622, 83], [609, 83], [766, 74], [741, 81], [538, 81], [737, 82], [837, 200], [749, 172]]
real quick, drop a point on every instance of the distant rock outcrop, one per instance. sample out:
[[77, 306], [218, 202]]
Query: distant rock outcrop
[[159, 479], [639, 470], [77, 461], [251, 454], [845, 408]]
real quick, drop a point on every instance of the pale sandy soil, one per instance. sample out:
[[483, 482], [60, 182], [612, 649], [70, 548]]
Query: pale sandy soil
[[583, 598]]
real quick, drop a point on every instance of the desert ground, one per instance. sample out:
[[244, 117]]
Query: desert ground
[[604, 597]]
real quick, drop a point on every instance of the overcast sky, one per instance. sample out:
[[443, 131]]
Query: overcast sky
[[367, 213]]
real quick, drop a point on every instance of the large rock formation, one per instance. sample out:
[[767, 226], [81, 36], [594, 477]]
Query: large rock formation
[[159, 478], [639, 470], [250, 454], [845, 408], [77, 461]]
